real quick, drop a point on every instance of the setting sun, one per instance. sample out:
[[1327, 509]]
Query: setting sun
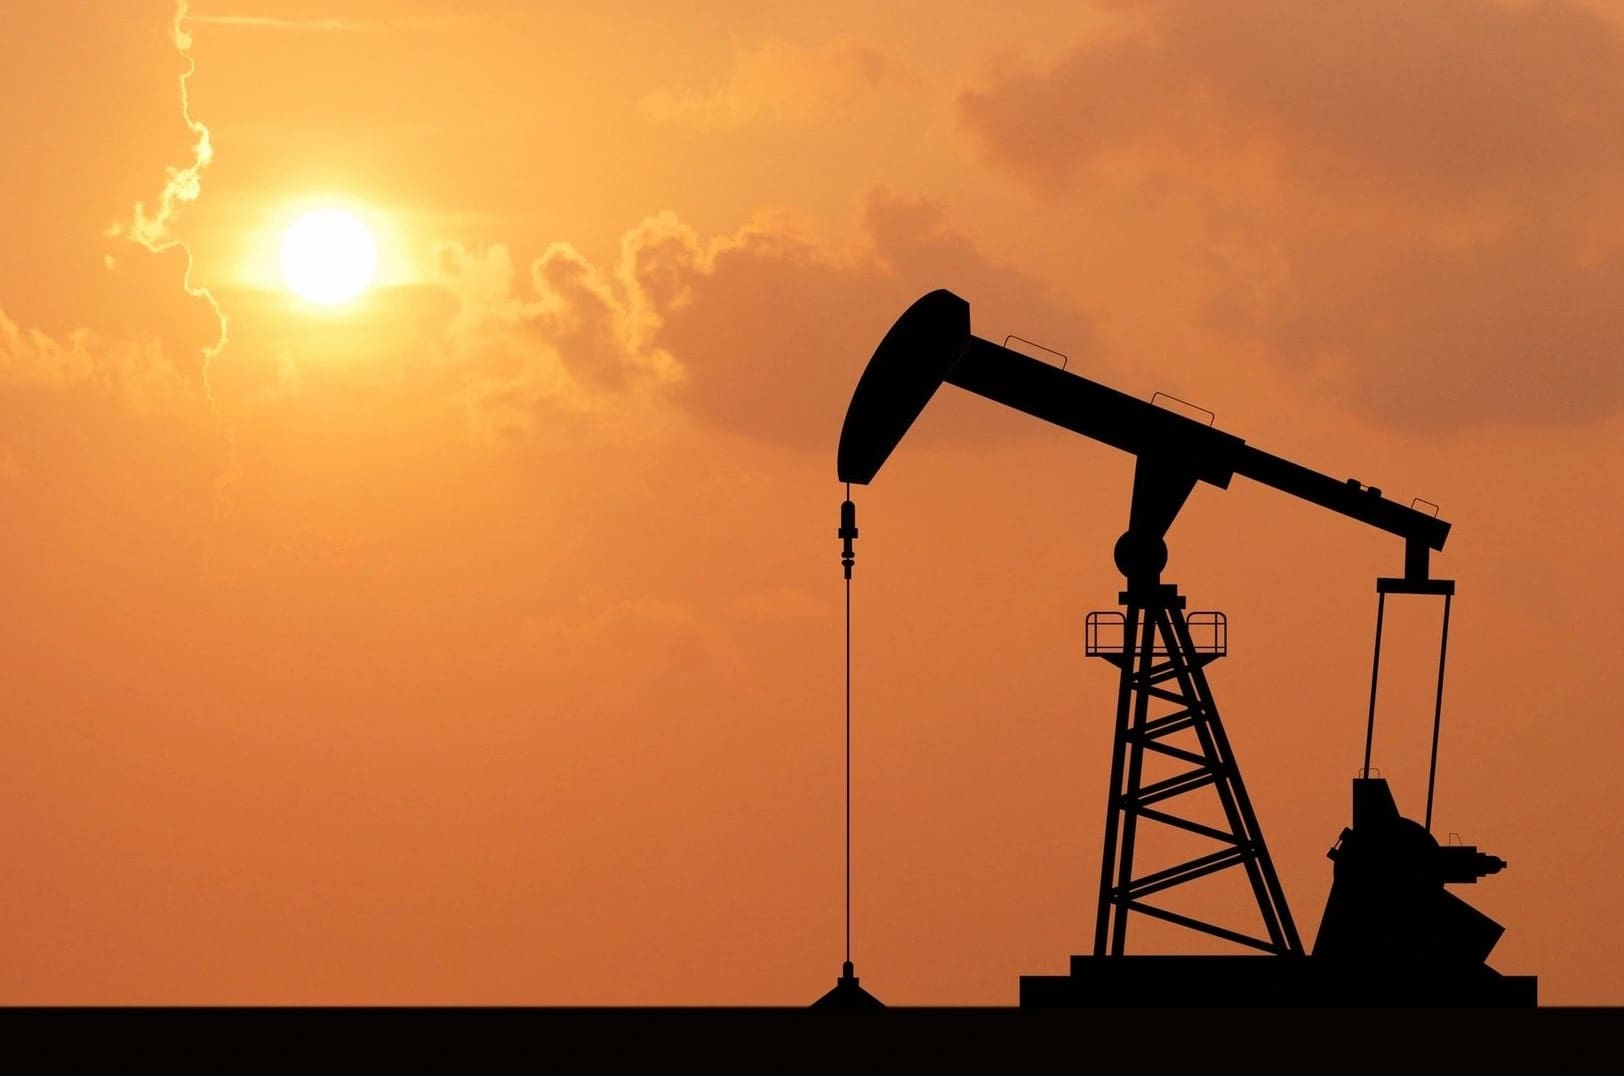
[[328, 256]]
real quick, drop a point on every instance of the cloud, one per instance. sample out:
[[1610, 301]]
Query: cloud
[[1415, 203], [774, 328], [322, 25], [1428, 99], [567, 339], [154, 231], [763, 332], [1428, 334], [780, 81], [138, 372]]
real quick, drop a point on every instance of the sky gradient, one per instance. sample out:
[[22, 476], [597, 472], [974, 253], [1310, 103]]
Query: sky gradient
[[479, 641]]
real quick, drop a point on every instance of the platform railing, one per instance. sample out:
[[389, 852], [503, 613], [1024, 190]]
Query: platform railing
[[1103, 633]]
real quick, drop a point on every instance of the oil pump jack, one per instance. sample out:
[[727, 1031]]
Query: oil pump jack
[[1390, 934]]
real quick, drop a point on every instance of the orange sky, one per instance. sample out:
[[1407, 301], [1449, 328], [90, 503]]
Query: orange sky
[[479, 641]]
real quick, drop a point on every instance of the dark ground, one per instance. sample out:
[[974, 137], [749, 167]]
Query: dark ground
[[771, 1040]]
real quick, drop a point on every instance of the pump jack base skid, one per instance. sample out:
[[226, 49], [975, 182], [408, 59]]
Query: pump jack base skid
[[1267, 982]]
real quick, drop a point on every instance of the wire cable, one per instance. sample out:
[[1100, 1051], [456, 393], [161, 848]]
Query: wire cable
[[848, 748]]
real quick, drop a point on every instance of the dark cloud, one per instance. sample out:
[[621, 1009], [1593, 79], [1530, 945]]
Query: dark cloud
[[1429, 334], [763, 332], [775, 330], [1434, 185]]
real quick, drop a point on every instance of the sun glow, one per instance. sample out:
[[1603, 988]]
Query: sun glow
[[328, 256]]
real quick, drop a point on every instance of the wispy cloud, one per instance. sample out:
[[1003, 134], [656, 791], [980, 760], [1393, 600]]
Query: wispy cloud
[[782, 81], [324, 25], [152, 230], [137, 371]]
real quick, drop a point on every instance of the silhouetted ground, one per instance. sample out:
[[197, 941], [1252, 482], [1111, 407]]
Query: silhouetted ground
[[771, 1040]]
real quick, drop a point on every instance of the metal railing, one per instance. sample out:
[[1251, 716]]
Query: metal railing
[[1103, 633]]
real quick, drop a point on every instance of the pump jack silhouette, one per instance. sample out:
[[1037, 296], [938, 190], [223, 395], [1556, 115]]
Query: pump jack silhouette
[[1391, 934]]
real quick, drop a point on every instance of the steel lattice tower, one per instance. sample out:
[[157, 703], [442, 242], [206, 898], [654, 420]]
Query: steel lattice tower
[[1161, 666]]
